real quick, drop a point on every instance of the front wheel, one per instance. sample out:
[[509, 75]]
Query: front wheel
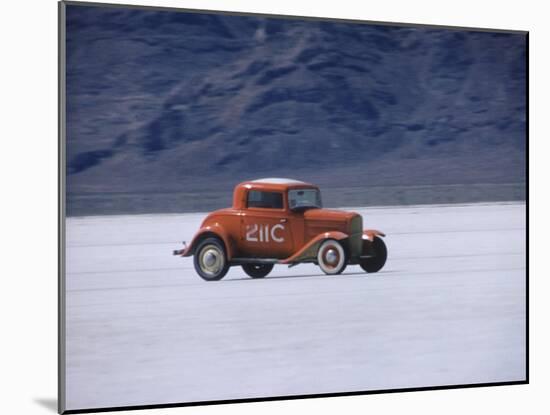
[[210, 260], [331, 257], [257, 270], [379, 255]]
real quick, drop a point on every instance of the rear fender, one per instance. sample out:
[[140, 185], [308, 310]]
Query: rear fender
[[310, 249], [369, 234], [214, 230]]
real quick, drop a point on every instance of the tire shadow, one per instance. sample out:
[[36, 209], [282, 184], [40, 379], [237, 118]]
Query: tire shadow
[[320, 275]]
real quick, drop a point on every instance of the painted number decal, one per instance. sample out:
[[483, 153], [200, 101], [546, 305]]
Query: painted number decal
[[263, 233]]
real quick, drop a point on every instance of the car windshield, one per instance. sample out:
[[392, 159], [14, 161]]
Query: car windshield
[[304, 198]]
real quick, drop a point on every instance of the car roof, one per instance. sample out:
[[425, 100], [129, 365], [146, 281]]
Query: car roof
[[275, 183]]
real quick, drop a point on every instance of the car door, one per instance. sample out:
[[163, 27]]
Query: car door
[[265, 226]]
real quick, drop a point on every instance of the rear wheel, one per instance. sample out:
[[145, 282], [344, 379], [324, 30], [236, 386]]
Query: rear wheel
[[210, 260], [379, 256], [331, 257], [257, 270]]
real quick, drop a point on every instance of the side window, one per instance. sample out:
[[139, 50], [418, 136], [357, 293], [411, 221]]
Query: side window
[[270, 200]]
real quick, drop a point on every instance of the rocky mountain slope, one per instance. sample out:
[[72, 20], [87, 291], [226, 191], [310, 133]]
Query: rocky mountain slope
[[164, 102]]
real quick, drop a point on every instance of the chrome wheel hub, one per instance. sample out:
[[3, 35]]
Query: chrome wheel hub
[[211, 260], [331, 256]]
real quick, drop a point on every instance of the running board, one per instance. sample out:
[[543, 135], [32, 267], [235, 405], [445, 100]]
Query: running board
[[240, 261]]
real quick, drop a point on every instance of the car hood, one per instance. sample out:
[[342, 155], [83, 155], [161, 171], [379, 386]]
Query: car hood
[[329, 215], [325, 220]]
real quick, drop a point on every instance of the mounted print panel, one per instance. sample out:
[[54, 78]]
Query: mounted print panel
[[266, 207]]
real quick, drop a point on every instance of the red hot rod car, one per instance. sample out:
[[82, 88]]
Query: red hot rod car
[[281, 221]]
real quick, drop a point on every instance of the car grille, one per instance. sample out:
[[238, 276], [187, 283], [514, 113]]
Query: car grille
[[356, 233]]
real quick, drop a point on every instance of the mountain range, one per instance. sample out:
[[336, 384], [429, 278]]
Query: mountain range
[[167, 102]]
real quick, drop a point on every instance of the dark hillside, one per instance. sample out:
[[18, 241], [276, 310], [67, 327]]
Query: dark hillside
[[167, 111]]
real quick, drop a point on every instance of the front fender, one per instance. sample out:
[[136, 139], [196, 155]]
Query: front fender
[[309, 250], [371, 233], [210, 230]]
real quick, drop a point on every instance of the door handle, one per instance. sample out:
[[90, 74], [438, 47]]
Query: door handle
[[282, 220]]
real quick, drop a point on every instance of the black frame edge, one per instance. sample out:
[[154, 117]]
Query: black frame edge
[[527, 207], [292, 397], [61, 139]]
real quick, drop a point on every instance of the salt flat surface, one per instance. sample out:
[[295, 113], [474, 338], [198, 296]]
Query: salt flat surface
[[143, 328]]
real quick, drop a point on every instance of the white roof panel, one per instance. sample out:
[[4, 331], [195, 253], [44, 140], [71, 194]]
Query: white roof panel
[[277, 180]]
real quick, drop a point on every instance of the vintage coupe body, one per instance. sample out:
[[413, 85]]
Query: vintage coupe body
[[281, 221]]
